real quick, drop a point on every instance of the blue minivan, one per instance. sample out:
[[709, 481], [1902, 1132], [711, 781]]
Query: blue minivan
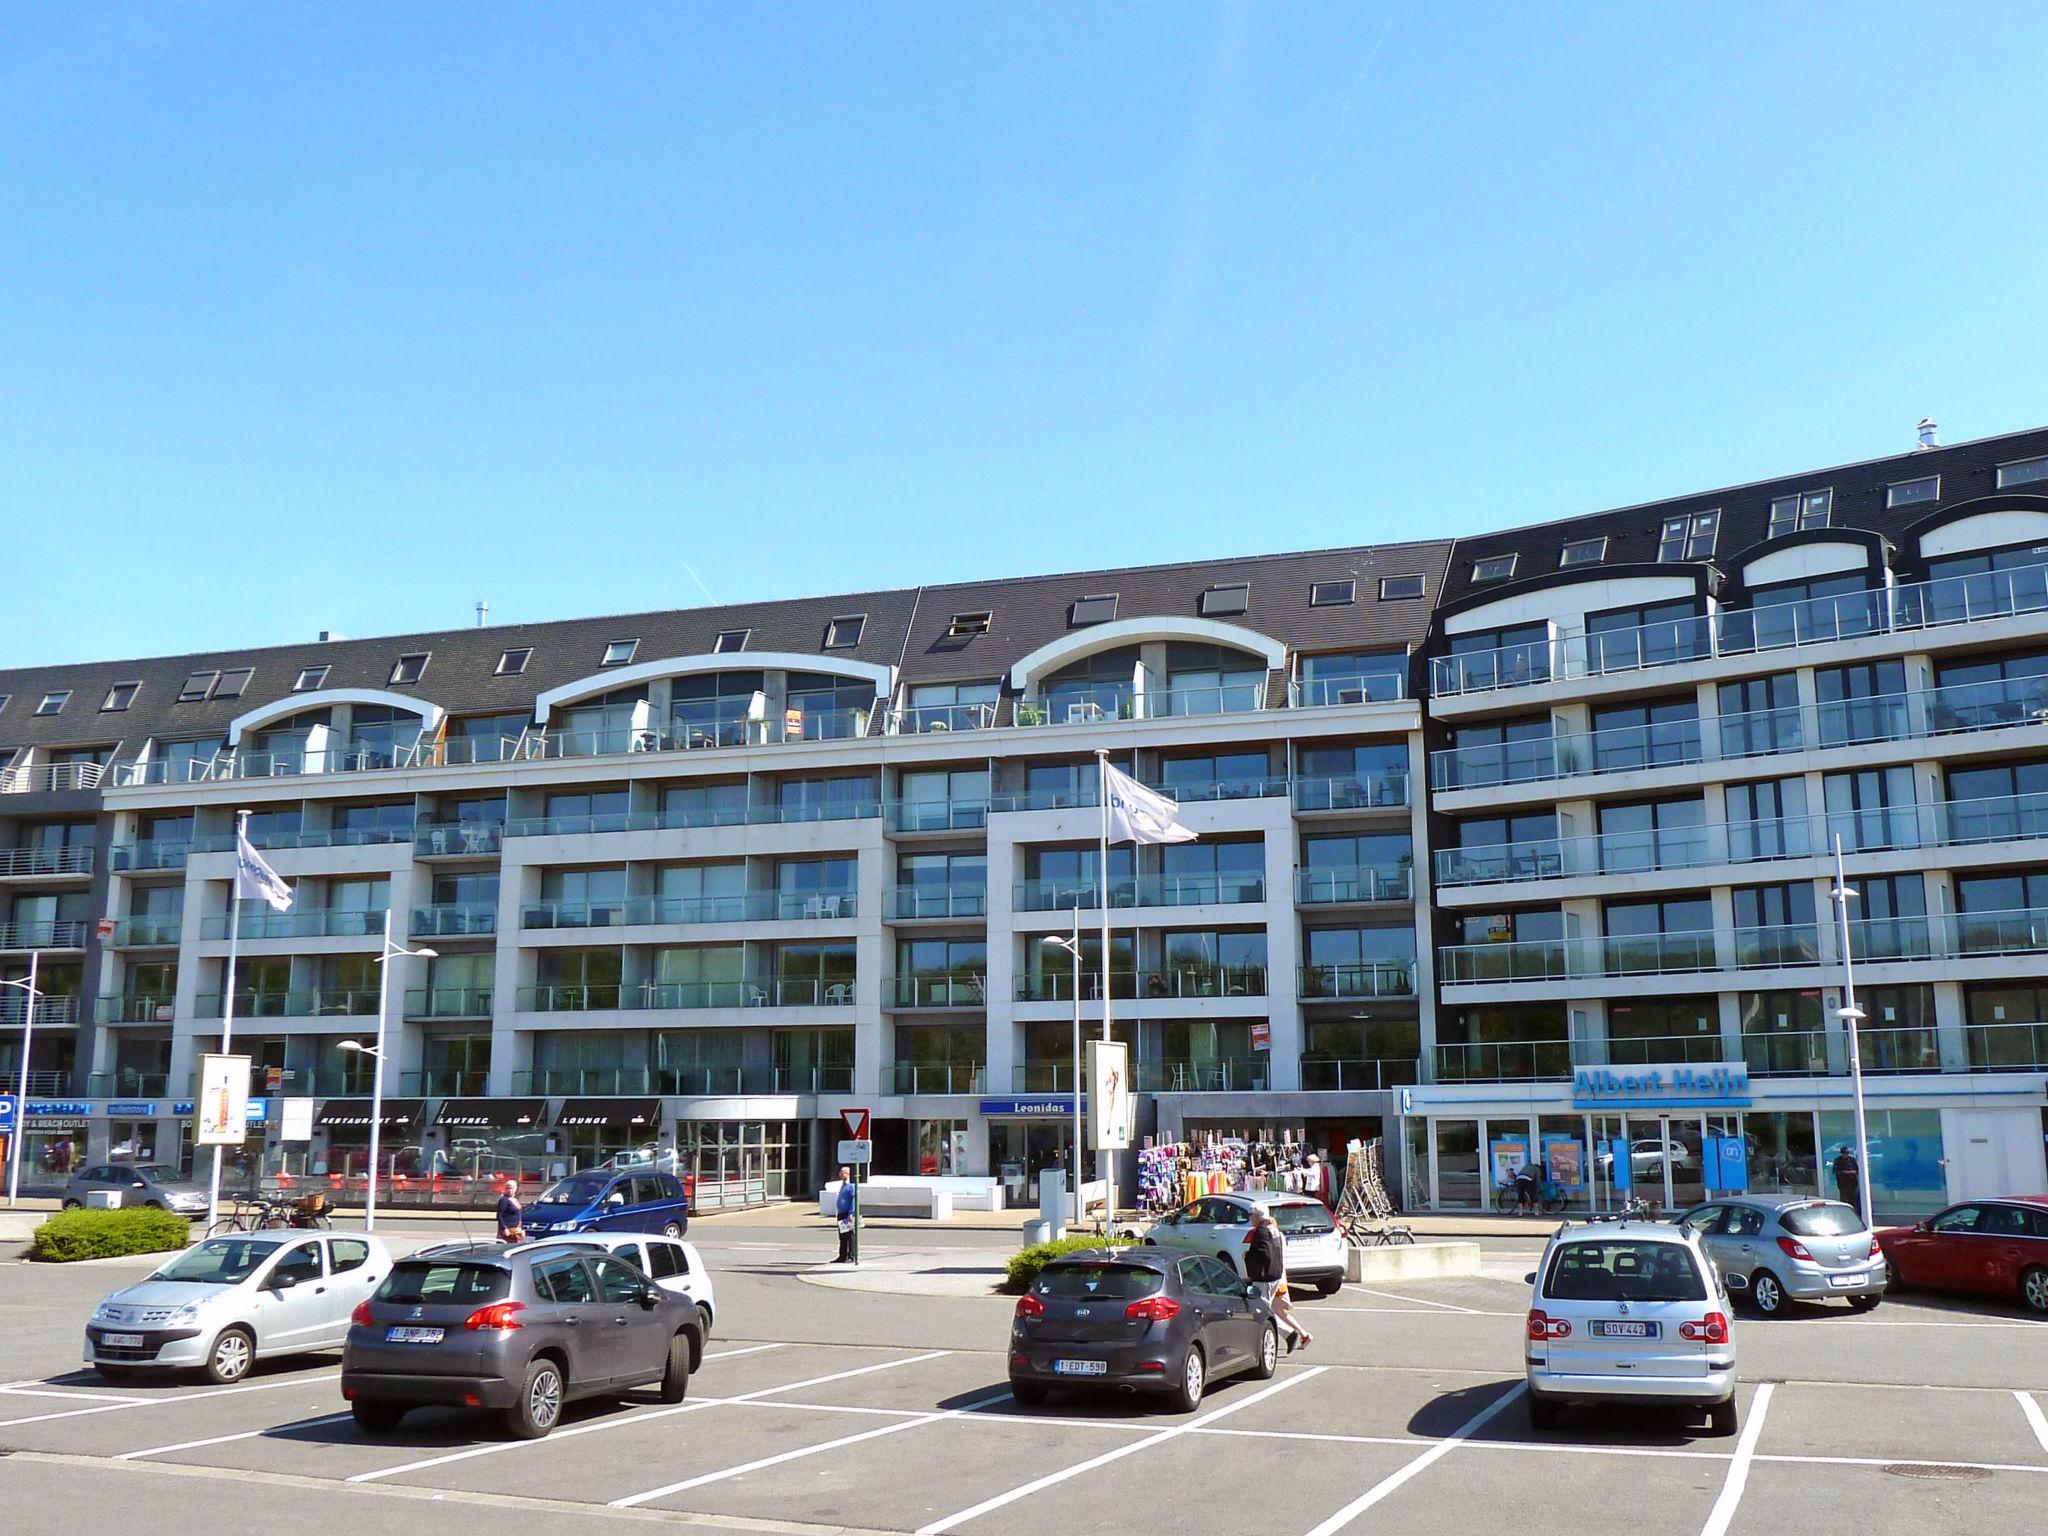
[[611, 1200]]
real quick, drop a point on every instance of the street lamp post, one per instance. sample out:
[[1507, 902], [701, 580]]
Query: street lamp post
[[28, 1039], [386, 955], [1073, 947], [1851, 1016]]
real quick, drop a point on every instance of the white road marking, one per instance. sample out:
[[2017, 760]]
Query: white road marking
[[751, 1349], [2035, 1420], [974, 1511], [1723, 1512], [637, 1418], [1429, 1309], [1419, 1465], [1898, 1461], [76, 1397], [1424, 1301], [175, 1397], [797, 1455], [247, 1434]]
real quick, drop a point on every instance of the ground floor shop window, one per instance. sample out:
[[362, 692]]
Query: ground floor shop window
[[590, 1146], [52, 1150], [941, 1148], [744, 1162], [1905, 1165]]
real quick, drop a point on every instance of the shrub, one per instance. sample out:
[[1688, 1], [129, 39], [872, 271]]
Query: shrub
[[1024, 1266], [73, 1235]]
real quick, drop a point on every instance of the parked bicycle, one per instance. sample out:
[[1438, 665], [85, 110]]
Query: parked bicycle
[[264, 1212]]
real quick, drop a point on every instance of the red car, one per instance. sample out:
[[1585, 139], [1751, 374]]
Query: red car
[[1979, 1248]]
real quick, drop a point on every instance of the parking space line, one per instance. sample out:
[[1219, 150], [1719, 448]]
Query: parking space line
[[179, 1397], [1897, 1461], [1428, 1309], [247, 1434], [636, 1418], [1423, 1300], [1420, 1464], [1723, 1512], [632, 1499], [76, 1397], [2035, 1421], [974, 1511]]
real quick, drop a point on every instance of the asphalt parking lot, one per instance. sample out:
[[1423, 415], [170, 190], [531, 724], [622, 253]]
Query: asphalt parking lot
[[819, 1409]]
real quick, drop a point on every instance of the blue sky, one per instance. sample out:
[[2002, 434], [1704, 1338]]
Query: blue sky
[[347, 317]]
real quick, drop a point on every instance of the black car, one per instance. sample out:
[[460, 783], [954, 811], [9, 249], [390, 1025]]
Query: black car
[[1139, 1320]]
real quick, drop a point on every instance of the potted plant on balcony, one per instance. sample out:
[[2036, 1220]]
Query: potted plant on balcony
[[1030, 712]]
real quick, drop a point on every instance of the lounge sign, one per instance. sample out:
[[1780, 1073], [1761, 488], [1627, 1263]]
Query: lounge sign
[[1687, 1085]]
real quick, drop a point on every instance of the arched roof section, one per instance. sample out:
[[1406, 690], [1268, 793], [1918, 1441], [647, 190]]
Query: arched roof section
[[1055, 654], [882, 678], [299, 703]]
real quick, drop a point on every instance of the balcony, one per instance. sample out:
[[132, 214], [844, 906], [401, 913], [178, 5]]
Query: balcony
[[306, 923], [1184, 981], [1903, 1048], [1504, 1061], [921, 992], [1356, 1074], [751, 992], [40, 1084], [1364, 688], [50, 778], [448, 1003], [339, 1002], [599, 1082], [1357, 979], [445, 1083], [933, 719], [131, 1083], [644, 911], [1786, 1053], [1335, 884], [124, 1008], [135, 858], [2007, 1047], [1649, 954], [904, 902], [940, 1077], [1139, 891], [457, 839], [1665, 1050], [1352, 792], [1156, 704], [454, 920], [1042, 1077], [51, 1008], [147, 931], [934, 815], [1218, 1074], [62, 934], [1951, 601], [75, 860], [691, 817]]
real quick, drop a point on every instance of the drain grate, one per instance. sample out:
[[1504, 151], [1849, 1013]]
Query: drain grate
[[1938, 1471]]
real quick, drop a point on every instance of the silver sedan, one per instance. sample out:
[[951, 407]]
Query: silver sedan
[[1778, 1249]]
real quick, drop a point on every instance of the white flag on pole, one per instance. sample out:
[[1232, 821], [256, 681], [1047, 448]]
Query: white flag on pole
[[1138, 814], [254, 878]]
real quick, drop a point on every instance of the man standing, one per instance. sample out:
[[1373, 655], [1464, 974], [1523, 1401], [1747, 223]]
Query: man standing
[[846, 1209], [1848, 1176]]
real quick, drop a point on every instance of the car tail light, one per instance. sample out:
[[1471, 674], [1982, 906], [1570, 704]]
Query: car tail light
[[1795, 1249], [1030, 1306], [1543, 1326], [498, 1317], [361, 1316], [1153, 1309], [1711, 1329]]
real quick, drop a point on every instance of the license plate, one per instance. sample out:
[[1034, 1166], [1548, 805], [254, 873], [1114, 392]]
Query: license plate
[[1080, 1367], [413, 1336], [1845, 1281], [1618, 1330], [121, 1340]]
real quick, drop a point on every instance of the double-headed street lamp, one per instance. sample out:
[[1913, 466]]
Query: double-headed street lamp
[[19, 1131], [375, 1052]]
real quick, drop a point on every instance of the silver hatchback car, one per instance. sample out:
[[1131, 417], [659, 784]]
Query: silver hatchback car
[[1776, 1249]]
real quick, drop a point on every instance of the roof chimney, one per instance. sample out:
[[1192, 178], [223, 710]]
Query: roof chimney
[[483, 612], [330, 634], [1928, 431]]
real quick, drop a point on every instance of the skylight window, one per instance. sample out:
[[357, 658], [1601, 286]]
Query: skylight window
[[309, 680], [1395, 588], [5, 700], [1099, 608], [1493, 568], [1583, 552], [513, 662], [410, 668], [1912, 493], [2023, 472], [1809, 509], [120, 696], [54, 702], [1229, 597], [965, 624], [844, 632], [233, 682], [1688, 537], [619, 652], [730, 640], [1332, 594], [198, 686]]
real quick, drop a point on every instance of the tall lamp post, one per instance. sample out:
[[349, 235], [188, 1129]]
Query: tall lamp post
[[1073, 947], [30, 992], [389, 952], [1851, 1016]]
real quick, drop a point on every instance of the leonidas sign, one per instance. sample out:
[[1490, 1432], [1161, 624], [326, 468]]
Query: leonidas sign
[[1696, 1085]]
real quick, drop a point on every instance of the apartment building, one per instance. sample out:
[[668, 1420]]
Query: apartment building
[[1515, 846]]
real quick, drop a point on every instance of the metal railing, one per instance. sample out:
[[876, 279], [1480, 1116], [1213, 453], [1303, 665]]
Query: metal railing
[[48, 1084], [1352, 792], [1117, 703], [1359, 688], [309, 923], [1349, 1074], [1220, 889], [939, 1077], [936, 991], [934, 815], [312, 1002], [1360, 978], [1503, 1061], [453, 920], [51, 1008], [50, 778], [448, 1003], [72, 860], [63, 933], [1332, 884], [926, 719], [144, 930], [910, 901]]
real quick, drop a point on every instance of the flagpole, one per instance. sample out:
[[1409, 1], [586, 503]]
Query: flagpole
[[227, 1006], [1103, 1161]]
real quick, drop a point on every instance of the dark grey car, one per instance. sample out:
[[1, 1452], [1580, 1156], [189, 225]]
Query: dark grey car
[[518, 1330], [1139, 1319]]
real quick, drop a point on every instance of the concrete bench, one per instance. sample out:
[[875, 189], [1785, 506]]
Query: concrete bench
[[885, 1199]]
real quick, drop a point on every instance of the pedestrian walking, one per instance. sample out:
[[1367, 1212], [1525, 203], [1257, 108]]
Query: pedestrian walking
[[1265, 1265], [1848, 1176], [845, 1208], [511, 1216]]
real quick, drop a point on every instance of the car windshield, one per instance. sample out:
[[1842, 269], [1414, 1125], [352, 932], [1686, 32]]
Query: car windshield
[[217, 1261], [1303, 1220], [578, 1189], [162, 1173], [1621, 1269], [1105, 1282], [1824, 1218], [449, 1284]]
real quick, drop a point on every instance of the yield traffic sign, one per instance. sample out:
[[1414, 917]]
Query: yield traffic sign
[[856, 1122]]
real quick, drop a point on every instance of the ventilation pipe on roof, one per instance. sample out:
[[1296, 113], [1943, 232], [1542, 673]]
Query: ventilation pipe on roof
[[1928, 433], [483, 613], [327, 635]]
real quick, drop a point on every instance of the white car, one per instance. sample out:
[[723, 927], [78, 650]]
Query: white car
[[1629, 1311], [1221, 1226], [232, 1300], [669, 1262]]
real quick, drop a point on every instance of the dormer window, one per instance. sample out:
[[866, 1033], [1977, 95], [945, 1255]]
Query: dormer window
[[1809, 509], [1493, 568], [1332, 594], [310, 680], [513, 662], [1690, 537], [965, 624], [1097, 609], [1227, 598], [844, 632], [619, 652], [1395, 589], [1913, 493], [1583, 552], [411, 668]]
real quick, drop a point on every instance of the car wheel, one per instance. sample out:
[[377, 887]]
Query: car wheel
[[1269, 1353], [2034, 1289], [672, 1229], [1194, 1379], [1766, 1294], [1028, 1394], [375, 1416], [71, 1205], [1864, 1303], [1544, 1414], [703, 1321], [540, 1401], [1723, 1417], [675, 1381], [231, 1356]]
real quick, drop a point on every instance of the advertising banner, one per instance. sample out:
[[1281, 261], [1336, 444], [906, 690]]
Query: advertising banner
[[297, 1119], [1567, 1159], [223, 1108], [1112, 1107], [1509, 1154]]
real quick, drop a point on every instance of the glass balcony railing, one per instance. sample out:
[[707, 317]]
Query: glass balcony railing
[[51, 1008], [1066, 797], [2007, 1047], [147, 930], [1651, 954], [1362, 688], [1663, 1050], [967, 991], [913, 901], [1332, 884], [1352, 1074], [939, 1077], [1899, 1048], [1952, 600], [691, 817], [350, 1002], [62, 934], [750, 992], [132, 1083], [123, 1008], [445, 1083], [1230, 787], [934, 815], [457, 839], [164, 853], [1119, 703], [600, 1082], [1504, 1061], [651, 911], [448, 1003], [928, 719], [307, 923], [307, 837], [75, 860], [1216, 1074], [1360, 978], [1222, 889], [454, 920], [1352, 792], [1183, 981], [1786, 1053], [1042, 1077]]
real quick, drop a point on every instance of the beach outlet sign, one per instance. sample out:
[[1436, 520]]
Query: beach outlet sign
[[1684, 1085]]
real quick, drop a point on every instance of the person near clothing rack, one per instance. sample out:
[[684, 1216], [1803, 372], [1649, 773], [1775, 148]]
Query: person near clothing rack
[[1265, 1265]]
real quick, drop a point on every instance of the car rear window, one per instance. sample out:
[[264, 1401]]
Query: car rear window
[[449, 1284], [1303, 1219], [1624, 1269], [1824, 1218], [1109, 1282]]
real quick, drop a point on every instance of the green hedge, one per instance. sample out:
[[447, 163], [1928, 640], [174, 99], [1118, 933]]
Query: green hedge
[[1024, 1267], [73, 1235]]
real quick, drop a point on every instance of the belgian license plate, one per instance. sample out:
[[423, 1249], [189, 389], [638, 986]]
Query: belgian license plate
[[1845, 1281], [413, 1336], [1080, 1367], [1620, 1330], [121, 1340]]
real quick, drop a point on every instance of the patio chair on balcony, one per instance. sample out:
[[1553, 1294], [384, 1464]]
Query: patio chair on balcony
[[839, 994]]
